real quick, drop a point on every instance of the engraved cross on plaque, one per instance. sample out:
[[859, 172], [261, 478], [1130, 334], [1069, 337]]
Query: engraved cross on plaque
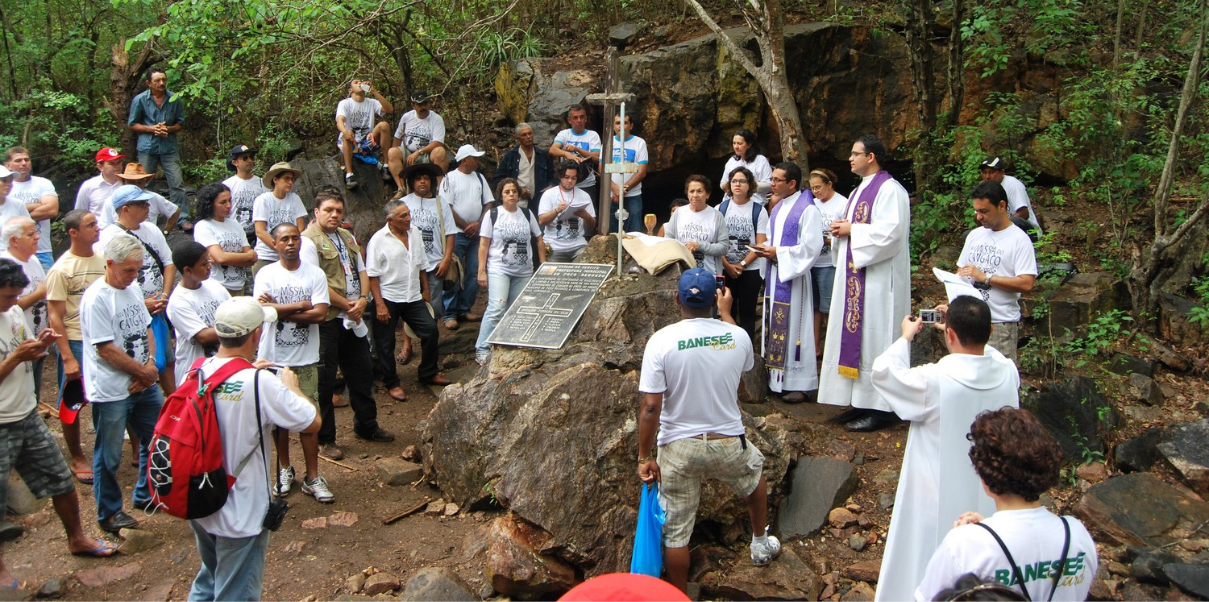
[[540, 313]]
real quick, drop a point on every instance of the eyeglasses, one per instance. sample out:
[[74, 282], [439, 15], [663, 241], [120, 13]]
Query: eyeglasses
[[777, 180], [737, 181], [857, 153]]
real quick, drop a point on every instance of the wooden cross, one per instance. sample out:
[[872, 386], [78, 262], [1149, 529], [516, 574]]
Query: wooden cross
[[609, 100]]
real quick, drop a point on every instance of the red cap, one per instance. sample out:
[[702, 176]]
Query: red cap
[[71, 400], [624, 586], [109, 154]]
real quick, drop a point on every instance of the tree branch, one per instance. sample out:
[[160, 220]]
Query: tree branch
[[730, 44], [1163, 194]]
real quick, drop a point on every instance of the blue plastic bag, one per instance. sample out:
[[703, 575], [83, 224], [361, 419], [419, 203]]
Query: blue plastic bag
[[647, 558]]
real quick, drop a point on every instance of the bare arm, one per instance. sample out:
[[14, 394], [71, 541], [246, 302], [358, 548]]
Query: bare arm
[[207, 337], [117, 358], [47, 208], [589, 220], [243, 259], [262, 233], [317, 314], [648, 426], [29, 300]]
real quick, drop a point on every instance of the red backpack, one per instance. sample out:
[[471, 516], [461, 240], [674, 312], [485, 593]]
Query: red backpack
[[185, 470]]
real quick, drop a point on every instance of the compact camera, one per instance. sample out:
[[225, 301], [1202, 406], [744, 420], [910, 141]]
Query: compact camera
[[931, 316], [276, 514]]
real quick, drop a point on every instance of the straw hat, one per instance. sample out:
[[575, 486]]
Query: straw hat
[[276, 170], [135, 171]]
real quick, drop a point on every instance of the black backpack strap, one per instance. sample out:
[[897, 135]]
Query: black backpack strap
[[155, 256], [260, 434], [1012, 561], [755, 216], [1061, 559], [495, 215], [723, 207]]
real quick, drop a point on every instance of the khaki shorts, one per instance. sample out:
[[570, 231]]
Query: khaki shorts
[[308, 381], [1003, 338], [682, 465]]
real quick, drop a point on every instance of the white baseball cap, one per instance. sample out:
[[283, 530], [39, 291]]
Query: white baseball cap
[[467, 150], [238, 316]]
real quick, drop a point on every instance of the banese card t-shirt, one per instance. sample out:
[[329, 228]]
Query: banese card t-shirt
[[192, 311], [109, 315], [284, 342]]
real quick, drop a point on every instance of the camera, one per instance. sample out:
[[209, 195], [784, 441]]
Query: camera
[[931, 316], [276, 514]]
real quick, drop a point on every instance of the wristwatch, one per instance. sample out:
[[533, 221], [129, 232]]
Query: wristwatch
[[743, 263]]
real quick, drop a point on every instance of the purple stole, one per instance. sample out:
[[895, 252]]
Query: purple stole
[[854, 283], [782, 292]]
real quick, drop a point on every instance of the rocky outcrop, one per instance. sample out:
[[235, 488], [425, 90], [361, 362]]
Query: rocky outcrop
[[1140, 510], [1078, 416], [552, 434]]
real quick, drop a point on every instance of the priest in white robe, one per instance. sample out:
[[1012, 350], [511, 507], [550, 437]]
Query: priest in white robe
[[938, 482], [872, 289], [795, 240]]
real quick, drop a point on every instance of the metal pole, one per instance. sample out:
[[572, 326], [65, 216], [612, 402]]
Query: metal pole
[[621, 212]]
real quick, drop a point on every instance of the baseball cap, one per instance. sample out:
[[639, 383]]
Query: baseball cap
[[698, 288], [994, 163], [4, 172], [109, 154], [420, 97], [237, 150], [128, 193], [71, 400], [238, 316], [467, 150]]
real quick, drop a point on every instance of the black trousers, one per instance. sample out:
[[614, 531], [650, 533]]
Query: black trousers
[[745, 290], [344, 349], [415, 315]]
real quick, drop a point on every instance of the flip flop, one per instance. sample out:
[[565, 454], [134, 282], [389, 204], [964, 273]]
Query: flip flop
[[83, 476], [403, 357], [104, 550], [16, 584]]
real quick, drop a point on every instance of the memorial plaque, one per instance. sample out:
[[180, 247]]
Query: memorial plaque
[[550, 305]]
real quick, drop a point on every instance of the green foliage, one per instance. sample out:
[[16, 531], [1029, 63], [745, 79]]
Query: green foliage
[[1199, 314], [1103, 332]]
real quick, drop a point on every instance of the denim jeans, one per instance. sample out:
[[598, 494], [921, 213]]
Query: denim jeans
[[232, 567], [502, 290], [171, 163], [459, 300], [110, 418], [77, 349], [47, 259], [633, 222]]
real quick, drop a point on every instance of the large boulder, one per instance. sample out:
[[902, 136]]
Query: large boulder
[[362, 205], [552, 434], [1140, 510], [1077, 415], [1081, 299], [1186, 448]]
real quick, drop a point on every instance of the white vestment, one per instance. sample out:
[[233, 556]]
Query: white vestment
[[793, 264], [880, 247], [937, 483]]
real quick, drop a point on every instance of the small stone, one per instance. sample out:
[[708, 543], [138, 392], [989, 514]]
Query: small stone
[[52, 589], [888, 476], [355, 583], [858, 459], [450, 509], [1149, 563], [343, 519], [864, 521], [855, 508], [857, 543], [137, 540], [397, 471], [1093, 472], [107, 574], [841, 517], [1145, 390], [841, 450], [864, 571], [831, 578], [411, 453], [441, 583], [1103, 589], [885, 500], [294, 547], [1117, 568], [161, 592], [828, 591], [363, 456], [872, 536], [315, 523], [381, 583], [436, 507]]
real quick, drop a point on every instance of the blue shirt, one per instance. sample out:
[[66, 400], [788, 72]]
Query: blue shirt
[[144, 111]]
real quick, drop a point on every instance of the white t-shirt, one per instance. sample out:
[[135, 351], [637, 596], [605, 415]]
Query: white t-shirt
[[832, 210], [192, 312], [397, 267], [243, 197], [284, 342], [743, 233], [698, 227], [235, 405], [510, 252], [273, 212], [230, 237], [9, 209], [151, 278], [94, 192], [108, 315], [17, 389], [358, 117], [35, 316], [466, 194], [416, 133], [424, 216], [1006, 253], [1034, 536], [566, 232], [588, 140], [635, 152], [30, 192], [156, 207], [759, 167], [1017, 197], [696, 364]]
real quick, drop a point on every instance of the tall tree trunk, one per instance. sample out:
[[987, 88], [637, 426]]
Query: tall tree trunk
[[123, 79], [923, 75], [957, 59]]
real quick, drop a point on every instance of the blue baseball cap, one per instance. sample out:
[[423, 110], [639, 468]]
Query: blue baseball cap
[[698, 288], [128, 193]]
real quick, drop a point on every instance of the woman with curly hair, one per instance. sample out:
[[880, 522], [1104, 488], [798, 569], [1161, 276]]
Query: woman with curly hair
[[1023, 545], [224, 237]]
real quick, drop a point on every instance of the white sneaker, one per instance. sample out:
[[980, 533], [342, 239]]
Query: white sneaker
[[762, 553], [482, 357], [318, 489], [285, 481]]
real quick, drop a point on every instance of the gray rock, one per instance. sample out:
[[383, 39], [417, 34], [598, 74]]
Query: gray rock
[[1082, 298], [397, 471], [866, 570], [1139, 509], [21, 500], [1148, 563], [105, 575], [857, 542], [885, 500], [1192, 579], [1145, 390], [1139, 453], [1126, 365], [1186, 448], [1076, 414], [438, 583], [355, 583], [624, 34], [1175, 322], [53, 588], [887, 476], [138, 540], [786, 578], [819, 484]]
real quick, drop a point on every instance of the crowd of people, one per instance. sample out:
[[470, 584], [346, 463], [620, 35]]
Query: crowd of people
[[127, 317]]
